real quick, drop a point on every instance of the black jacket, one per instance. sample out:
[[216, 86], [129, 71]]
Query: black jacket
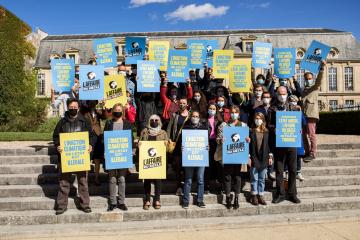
[[68, 125], [109, 125], [259, 158]]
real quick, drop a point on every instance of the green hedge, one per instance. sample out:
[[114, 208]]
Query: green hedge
[[347, 122]]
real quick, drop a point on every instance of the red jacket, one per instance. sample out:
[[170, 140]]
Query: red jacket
[[130, 113], [167, 102]]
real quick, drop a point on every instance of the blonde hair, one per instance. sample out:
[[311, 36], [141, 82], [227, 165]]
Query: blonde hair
[[122, 109], [263, 125]]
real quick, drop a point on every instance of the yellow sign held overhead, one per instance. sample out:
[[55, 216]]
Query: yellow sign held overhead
[[240, 75], [159, 51], [221, 63], [114, 90]]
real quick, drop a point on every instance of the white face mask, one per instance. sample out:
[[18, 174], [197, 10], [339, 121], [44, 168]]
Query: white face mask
[[211, 112], [310, 82], [258, 94], [234, 116], [293, 103], [195, 121], [266, 101], [258, 122], [282, 98], [197, 98]]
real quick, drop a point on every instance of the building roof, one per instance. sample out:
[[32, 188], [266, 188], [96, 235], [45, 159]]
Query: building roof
[[344, 42]]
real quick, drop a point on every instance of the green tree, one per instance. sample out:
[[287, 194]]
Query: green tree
[[20, 110]]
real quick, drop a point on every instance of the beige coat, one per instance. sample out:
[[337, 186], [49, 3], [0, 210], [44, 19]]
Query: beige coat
[[310, 98]]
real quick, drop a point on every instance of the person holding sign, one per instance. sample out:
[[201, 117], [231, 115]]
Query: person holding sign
[[283, 155], [194, 124], [117, 176], [174, 132], [153, 132], [73, 121], [170, 100], [311, 110], [261, 157], [231, 171]]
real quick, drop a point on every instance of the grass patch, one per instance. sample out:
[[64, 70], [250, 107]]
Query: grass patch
[[25, 136]]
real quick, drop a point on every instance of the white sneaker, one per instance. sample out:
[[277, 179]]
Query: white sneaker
[[300, 177], [285, 175], [179, 192]]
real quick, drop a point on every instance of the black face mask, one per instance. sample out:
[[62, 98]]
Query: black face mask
[[154, 124], [73, 112], [117, 114]]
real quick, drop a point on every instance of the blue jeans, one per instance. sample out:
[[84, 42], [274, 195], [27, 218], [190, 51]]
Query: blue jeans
[[257, 181], [189, 172]]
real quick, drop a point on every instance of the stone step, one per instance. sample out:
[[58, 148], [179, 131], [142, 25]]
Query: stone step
[[136, 200], [33, 217], [107, 230], [340, 161], [335, 153], [49, 149], [331, 170], [52, 178]]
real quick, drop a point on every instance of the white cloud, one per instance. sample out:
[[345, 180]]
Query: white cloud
[[139, 3], [153, 16], [194, 12], [259, 5]]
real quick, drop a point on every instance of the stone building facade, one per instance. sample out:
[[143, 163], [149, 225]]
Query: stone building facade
[[340, 86]]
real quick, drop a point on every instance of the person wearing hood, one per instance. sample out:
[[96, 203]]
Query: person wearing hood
[[194, 124], [146, 107], [283, 155], [199, 103], [311, 110], [171, 101], [153, 132], [72, 121]]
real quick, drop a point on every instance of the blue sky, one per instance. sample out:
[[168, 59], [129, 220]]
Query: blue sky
[[78, 16]]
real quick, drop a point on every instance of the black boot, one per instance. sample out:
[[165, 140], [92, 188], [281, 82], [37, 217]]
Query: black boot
[[228, 202], [236, 202]]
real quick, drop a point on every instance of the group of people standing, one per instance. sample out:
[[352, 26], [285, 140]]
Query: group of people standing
[[202, 102]]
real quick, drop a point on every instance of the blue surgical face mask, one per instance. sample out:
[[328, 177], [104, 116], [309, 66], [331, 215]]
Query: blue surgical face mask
[[234, 116], [220, 104], [310, 82], [211, 112], [283, 82], [261, 81]]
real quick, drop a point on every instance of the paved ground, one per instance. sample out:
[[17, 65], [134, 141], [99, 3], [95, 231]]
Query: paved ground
[[318, 231], [322, 139]]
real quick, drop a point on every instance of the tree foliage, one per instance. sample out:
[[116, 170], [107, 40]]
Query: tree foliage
[[20, 110]]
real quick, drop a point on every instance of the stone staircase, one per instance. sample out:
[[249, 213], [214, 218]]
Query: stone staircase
[[28, 187]]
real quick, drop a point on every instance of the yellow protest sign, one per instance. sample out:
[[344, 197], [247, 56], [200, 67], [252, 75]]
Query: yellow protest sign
[[159, 51], [240, 75], [221, 63], [75, 156], [152, 160], [114, 90]]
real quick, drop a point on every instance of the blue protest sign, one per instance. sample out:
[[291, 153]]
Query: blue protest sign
[[195, 151], [261, 55], [91, 82], [235, 148], [284, 62], [148, 76], [178, 65], [197, 49], [211, 45], [135, 49], [288, 129], [316, 53], [105, 52], [62, 73], [118, 149]]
